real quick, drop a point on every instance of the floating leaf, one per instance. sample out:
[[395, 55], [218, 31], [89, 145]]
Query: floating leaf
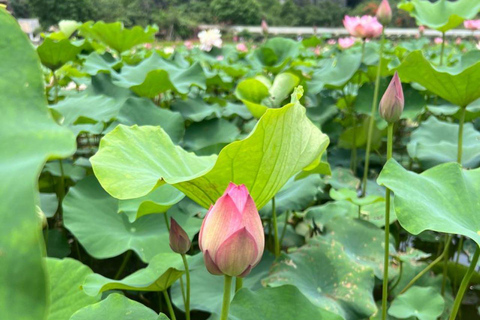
[[276, 303], [55, 54], [66, 295], [28, 137], [210, 133], [196, 109], [162, 271], [412, 304], [443, 198], [276, 53], [117, 307]]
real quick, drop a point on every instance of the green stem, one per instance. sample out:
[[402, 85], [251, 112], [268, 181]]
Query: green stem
[[464, 285], [166, 221], [353, 163], [61, 190], [430, 266], [363, 50], [400, 273], [187, 275], [386, 260], [56, 87], [227, 289], [446, 257], [169, 305], [459, 251], [460, 134], [443, 49], [126, 258], [238, 284], [284, 226], [372, 117], [275, 230]]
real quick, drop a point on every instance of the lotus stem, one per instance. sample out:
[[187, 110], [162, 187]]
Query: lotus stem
[[187, 275], [275, 230], [443, 48], [169, 305], [460, 135], [464, 285], [126, 258], [227, 288], [372, 116], [386, 260], [238, 283]]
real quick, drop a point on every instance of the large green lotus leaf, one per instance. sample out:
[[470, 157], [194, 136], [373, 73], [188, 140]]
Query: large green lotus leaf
[[343, 178], [441, 15], [55, 54], [155, 75], [281, 303], [116, 36], [459, 84], [435, 142], [87, 109], [363, 242], [92, 216], [443, 198], [117, 307], [276, 53], [329, 278], [96, 63], [196, 109], [211, 133], [207, 289], [133, 161], [334, 72], [412, 304], [162, 271], [157, 201], [65, 278], [295, 195], [28, 137]]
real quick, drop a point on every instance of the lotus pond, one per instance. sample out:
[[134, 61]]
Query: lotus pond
[[240, 181]]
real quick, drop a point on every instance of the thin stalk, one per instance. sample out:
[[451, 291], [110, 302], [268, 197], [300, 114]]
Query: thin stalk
[[446, 257], [460, 135], [166, 221], [284, 226], [275, 230], [61, 190], [430, 266], [464, 285], [238, 283], [126, 258], [386, 260], [400, 272], [372, 116], [56, 87], [443, 49], [169, 305], [227, 289], [459, 251], [187, 275], [353, 162]]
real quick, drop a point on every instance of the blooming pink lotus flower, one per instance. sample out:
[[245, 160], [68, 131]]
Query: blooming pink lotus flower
[[179, 240], [332, 42], [384, 13], [438, 40], [188, 44], [346, 43], [472, 24], [363, 27], [391, 105], [242, 47], [232, 237]]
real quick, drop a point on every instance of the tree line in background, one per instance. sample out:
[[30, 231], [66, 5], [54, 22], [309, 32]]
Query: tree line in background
[[180, 17]]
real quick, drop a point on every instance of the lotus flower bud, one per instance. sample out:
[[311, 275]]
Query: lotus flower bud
[[384, 13], [391, 105], [232, 238], [179, 240]]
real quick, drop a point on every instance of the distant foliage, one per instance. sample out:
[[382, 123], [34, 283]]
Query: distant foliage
[[236, 12], [50, 12]]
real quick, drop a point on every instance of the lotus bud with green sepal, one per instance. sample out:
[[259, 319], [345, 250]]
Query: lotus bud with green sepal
[[384, 13], [179, 240], [232, 237], [391, 105]]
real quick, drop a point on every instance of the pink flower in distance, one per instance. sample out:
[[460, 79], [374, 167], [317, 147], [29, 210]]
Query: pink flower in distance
[[392, 103], [472, 24], [147, 46], [264, 26], [458, 41], [242, 47], [438, 40], [363, 27], [332, 42], [232, 237], [188, 44], [346, 43], [384, 13], [317, 50]]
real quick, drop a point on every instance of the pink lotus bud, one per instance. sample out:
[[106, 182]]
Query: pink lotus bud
[[179, 240], [232, 237], [264, 26], [458, 41], [363, 27], [242, 47], [421, 29], [346, 43], [384, 13], [391, 105], [317, 50], [438, 40], [332, 42], [188, 44]]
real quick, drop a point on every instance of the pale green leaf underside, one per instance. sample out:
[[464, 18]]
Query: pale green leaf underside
[[412, 304]]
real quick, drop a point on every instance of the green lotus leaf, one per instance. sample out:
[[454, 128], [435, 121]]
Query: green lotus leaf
[[208, 137], [459, 84], [412, 304], [96, 63], [327, 276], [116, 36], [441, 15], [196, 109], [276, 53], [57, 243], [279, 303], [435, 142], [48, 204], [68, 27], [117, 307], [281, 145], [155, 75], [28, 137], [162, 271], [443, 198], [92, 216], [55, 54], [352, 196], [66, 295]]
